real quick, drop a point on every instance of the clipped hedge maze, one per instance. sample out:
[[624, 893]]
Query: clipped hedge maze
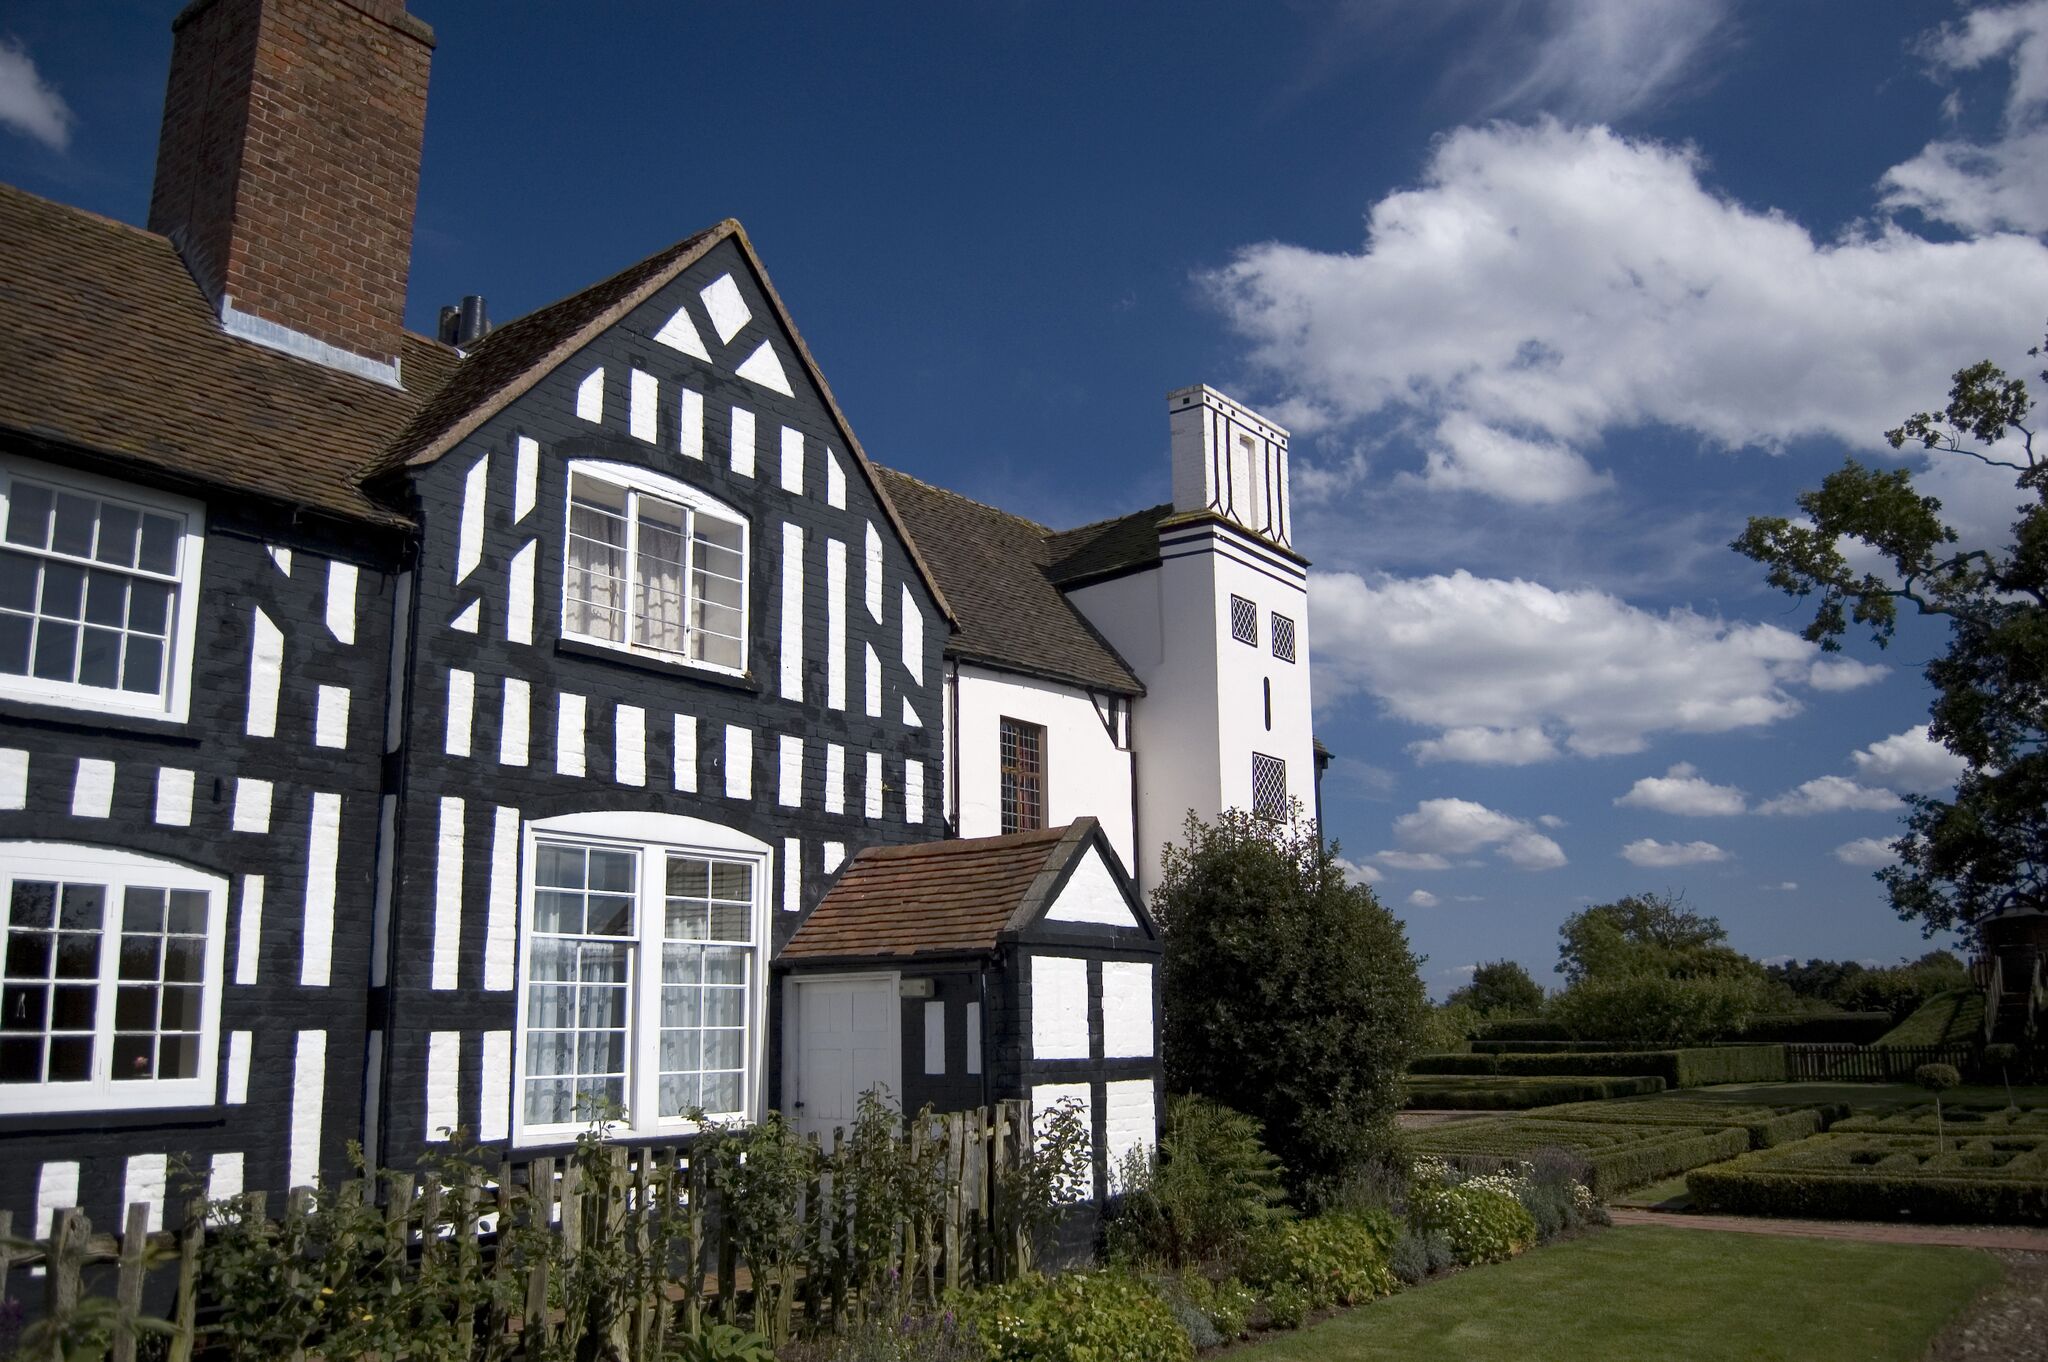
[[1486, 1092], [1690, 1068], [1871, 1175], [1765, 1125], [1958, 1121], [1617, 1157]]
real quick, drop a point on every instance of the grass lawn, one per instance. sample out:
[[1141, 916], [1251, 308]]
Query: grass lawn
[[1627, 1294]]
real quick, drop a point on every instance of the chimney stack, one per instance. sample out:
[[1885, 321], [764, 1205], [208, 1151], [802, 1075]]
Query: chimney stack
[[1230, 461], [289, 166]]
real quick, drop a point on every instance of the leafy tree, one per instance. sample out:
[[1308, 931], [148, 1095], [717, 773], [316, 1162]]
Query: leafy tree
[[1501, 988], [1647, 934], [1901, 989], [1986, 850], [1287, 994], [1817, 980], [1650, 1009]]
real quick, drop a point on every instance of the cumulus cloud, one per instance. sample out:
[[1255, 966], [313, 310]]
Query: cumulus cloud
[[1682, 790], [1830, 794], [1510, 671], [2001, 183], [1357, 873], [1551, 285], [1458, 827], [1650, 852], [1911, 761], [1412, 860], [1422, 898], [1873, 852], [28, 104], [1550, 820]]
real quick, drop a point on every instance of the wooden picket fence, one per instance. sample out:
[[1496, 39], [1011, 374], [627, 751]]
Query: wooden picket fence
[[1873, 1063], [660, 1203]]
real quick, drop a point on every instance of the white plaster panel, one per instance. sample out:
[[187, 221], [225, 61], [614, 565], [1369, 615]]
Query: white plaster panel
[[494, 1112], [92, 788], [685, 749], [519, 580], [282, 557], [1091, 894], [872, 698], [874, 785], [224, 1177], [444, 1083], [501, 913], [728, 310], [469, 549], [835, 623], [739, 762], [145, 1178], [835, 856], [680, 333], [792, 460], [309, 1089], [644, 399], [239, 1045], [466, 621], [629, 745], [590, 396], [910, 718], [515, 722], [252, 805], [330, 716], [790, 773], [461, 711], [835, 481], [913, 637], [1130, 1120], [792, 611], [871, 572], [174, 797], [792, 874], [341, 601], [525, 476], [249, 930], [446, 964], [835, 778], [764, 367], [1127, 1009], [13, 778], [691, 422], [935, 1037], [1059, 1007], [743, 442], [56, 1190], [1085, 773], [569, 748], [323, 856], [266, 673], [913, 791]]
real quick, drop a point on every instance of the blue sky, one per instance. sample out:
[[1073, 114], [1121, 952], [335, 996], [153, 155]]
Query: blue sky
[[1554, 295]]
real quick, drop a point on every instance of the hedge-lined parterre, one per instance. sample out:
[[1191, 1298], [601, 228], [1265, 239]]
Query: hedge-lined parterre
[[1866, 1175], [1690, 1068], [1616, 1157], [1767, 1125], [1959, 1121], [1490, 1092]]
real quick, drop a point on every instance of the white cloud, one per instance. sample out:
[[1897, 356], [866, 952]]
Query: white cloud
[[1412, 860], [27, 103], [1422, 898], [1784, 886], [1562, 284], [1682, 790], [1908, 761], [1551, 820], [1457, 827], [1830, 794], [1650, 852], [1873, 852], [1507, 669], [1844, 673], [1469, 455], [2000, 184], [1357, 873], [1603, 59]]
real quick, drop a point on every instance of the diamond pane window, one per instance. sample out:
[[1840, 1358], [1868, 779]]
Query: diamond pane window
[[1244, 621], [1283, 638], [1023, 775], [1269, 786]]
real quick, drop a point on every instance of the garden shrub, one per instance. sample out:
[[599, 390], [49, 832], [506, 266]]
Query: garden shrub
[[1696, 1067], [1482, 1215], [1454, 1064], [1337, 1259], [1861, 1176], [1456, 1092], [1617, 1157], [1409, 1259], [1076, 1317], [1660, 1009], [1193, 1321], [1767, 1125], [1211, 1187]]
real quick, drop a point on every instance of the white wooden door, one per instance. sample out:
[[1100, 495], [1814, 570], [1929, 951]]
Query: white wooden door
[[847, 1035]]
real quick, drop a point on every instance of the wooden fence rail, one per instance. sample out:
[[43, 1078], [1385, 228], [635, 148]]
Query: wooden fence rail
[[512, 1243], [1873, 1063]]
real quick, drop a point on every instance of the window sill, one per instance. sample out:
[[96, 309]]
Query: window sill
[[62, 715], [682, 671]]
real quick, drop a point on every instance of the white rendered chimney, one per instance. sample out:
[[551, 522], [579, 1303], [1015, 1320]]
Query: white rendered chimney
[[1229, 461]]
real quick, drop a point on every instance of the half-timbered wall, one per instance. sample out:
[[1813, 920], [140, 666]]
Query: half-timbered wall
[[829, 742]]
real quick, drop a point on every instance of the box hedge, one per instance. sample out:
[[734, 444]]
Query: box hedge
[[1480, 1092], [1766, 1125], [1691, 1068], [1617, 1157], [1454, 1064], [1860, 1176], [1801, 1028]]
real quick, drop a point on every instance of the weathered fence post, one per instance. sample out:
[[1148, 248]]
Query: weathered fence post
[[128, 1287]]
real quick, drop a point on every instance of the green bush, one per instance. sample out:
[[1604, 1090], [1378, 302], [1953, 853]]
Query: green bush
[[1483, 1217], [1616, 1157], [1977, 1120], [1520, 1029], [1658, 1009], [1450, 1092], [1447, 1028], [1766, 1125], [1212, 1186], [1690, 1068], [1076, 1317], [1861, 1176], [1903, 989], [1454, 1064], [1328, 1260]]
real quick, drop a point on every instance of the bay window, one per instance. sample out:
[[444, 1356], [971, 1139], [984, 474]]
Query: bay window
[[654, 566]]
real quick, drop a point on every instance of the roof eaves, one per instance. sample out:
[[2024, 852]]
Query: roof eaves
[[1134, 687], [1038, 897]]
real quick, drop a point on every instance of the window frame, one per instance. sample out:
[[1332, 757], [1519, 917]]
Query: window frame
[[1248, 612], [171, 705], [1004, 774], [1273, 629], [117, 869], [653, 836], [633, 479], [1277, 813]]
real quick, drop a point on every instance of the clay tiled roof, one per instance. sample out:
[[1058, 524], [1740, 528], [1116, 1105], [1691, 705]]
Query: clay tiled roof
[[1107, 547], [107, 343], [937, 898], [995, 569]]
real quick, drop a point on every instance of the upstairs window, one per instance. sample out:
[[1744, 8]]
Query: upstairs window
[[1283, 638], [109, 982], [1023, 776], [96, 590], [1269, 787], [1244, 621], [654, 567]]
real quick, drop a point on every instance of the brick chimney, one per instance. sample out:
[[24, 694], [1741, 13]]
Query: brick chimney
[[289, 166]]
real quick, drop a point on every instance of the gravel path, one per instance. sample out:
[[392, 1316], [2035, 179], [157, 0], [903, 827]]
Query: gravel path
[[2009, 1325]]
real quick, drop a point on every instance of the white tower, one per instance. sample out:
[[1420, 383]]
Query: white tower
[[1217, 630]]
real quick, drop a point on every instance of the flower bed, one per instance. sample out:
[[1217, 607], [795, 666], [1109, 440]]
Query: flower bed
[[1867, 1175]]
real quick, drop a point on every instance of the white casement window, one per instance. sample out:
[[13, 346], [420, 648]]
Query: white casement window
[[654, 566], [642, 975], [110, 982], [98, 583]]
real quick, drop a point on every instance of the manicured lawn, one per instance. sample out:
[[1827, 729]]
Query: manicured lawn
[[1628, 1294]]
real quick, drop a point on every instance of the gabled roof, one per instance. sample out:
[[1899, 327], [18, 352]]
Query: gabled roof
[[512, 359], [996, 570], [1107, 547], [956, 897], [106, 343]]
